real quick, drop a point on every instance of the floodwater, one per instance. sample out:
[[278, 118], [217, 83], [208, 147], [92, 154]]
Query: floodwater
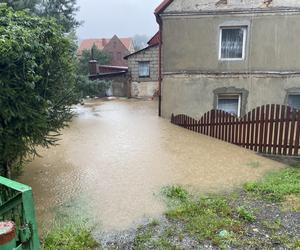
[[116, 156]]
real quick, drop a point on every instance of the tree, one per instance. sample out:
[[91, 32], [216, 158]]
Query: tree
[[63, 11], [22, 4], [37, 81], [86, 56]]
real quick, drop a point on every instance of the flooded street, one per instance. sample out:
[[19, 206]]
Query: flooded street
[[116, 155]]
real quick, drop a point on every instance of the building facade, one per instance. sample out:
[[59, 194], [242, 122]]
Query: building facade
[[231, 55], [143, 68]]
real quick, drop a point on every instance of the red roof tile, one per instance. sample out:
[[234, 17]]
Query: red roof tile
[[87, 44], [155, 39]]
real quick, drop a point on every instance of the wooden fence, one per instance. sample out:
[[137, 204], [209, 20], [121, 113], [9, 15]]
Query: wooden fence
[[269, 129]]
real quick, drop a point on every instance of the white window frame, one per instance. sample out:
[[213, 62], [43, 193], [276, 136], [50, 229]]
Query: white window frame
[[244, 28], [146, 76], [229, 95]]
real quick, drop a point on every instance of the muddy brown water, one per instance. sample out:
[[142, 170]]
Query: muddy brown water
[[116, 156]]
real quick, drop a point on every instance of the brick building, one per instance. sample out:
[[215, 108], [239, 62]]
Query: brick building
[[117, 48]]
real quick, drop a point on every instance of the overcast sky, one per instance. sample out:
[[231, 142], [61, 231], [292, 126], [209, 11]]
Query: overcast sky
[[125, 18]]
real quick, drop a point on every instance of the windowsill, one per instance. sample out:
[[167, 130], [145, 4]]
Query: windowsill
[[144, 77], [231, 59]]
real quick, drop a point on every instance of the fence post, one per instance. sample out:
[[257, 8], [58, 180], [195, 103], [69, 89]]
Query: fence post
[[29, 212]]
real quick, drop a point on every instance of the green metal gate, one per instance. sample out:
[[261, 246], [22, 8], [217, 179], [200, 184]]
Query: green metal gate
[[17, 205]]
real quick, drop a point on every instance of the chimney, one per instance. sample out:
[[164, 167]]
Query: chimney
[[93, 67]]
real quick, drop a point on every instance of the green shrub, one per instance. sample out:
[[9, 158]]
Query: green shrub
[[86, 87]]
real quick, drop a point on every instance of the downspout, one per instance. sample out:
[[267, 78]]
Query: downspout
[[158, 19]]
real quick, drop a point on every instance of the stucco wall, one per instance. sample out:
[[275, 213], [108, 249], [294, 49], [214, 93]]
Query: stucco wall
[[144, 86], [192, 71], [194, 94], [143, 89], [192, 43]]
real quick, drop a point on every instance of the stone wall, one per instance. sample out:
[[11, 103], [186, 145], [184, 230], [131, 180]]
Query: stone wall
[[144, 86]]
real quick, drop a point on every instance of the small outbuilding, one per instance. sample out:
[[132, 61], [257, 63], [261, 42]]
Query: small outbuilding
[[143, 66]]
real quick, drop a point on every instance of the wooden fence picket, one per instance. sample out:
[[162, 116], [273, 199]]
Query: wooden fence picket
[[269, 129]]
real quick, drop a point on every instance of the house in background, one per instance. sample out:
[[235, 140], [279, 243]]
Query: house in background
[[117, 48], [231, 55], [143, 66], [117, 70]]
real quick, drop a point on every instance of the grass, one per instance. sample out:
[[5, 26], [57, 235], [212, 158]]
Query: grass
[[207, 218], [145, 238], [221, 220], [246, 214], [73, 237], [175, 193], [274, 225], [276, 186]]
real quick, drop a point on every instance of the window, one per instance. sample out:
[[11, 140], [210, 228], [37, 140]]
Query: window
[[230, 104], [144, 69], [232, 43], [294, 101]]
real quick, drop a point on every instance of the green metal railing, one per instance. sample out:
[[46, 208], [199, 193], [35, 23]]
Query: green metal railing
[[17, 205]]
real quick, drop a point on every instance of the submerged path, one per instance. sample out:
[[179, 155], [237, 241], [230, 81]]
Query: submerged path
[[116, 155]]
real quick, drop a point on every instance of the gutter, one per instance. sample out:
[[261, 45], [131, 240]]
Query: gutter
[[159, 64], [159, 10]]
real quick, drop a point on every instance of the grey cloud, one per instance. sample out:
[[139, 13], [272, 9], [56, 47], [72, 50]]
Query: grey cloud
[[104, 18]]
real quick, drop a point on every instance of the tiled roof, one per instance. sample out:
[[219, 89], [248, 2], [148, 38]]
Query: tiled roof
[[87, 44], [142, 50], [155, 39]]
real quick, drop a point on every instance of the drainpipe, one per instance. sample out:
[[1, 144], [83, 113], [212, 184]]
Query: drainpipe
[[158, 19]]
